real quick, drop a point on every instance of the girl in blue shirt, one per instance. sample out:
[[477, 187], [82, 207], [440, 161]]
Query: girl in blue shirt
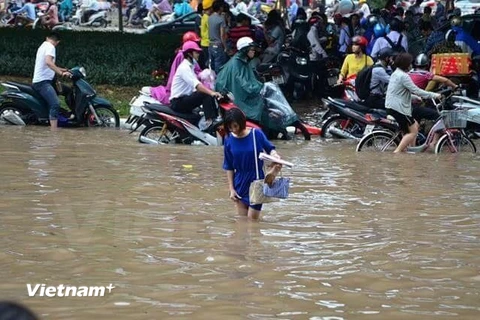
[[239, 160]]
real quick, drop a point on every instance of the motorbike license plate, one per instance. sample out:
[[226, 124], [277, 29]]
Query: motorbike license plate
[[278, 79], [368, 129], [332, 81]]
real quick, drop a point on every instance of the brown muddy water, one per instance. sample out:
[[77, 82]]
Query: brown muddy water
[[362, 236]]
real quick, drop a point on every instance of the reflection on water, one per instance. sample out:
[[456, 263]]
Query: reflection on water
[[362, 235]]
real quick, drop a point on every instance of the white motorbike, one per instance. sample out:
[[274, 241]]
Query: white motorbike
[[472, 114], [136, 107], [97, 19], [152, 19]]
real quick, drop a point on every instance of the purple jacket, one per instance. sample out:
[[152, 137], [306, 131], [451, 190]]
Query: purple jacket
[[162, 93]]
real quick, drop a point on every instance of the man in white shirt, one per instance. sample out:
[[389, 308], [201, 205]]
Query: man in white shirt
[[187, 92], [44, 73], [241, 7]]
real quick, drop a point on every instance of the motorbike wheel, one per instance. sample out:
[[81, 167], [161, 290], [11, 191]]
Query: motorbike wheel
[[25, 116], [146, 24], [103, 23], [338, 122], [158, 134], [300, 126], [37, 24], [108, 116]]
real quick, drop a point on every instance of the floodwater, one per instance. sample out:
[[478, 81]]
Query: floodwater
[[362, 236]]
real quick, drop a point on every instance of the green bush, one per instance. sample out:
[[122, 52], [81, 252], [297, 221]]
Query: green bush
[[114, 58]]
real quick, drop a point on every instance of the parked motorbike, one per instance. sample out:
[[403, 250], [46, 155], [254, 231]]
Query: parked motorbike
[[97, 19], [138, 16], [39, 22], [472, 108], [88, 109], [162, 125], [348, 119], [152, 19], [7, 17], [298, 71]]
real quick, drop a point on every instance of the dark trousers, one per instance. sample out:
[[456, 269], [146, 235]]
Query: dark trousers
[[419, 113], [375, 102], [204, 60], [320, 77], [186, 104]]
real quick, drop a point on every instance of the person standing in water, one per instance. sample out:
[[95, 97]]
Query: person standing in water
[[239, 160]]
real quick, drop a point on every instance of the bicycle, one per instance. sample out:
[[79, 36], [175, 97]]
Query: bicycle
[[450, 125]]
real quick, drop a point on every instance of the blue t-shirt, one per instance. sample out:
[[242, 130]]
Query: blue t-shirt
[[239, 157]]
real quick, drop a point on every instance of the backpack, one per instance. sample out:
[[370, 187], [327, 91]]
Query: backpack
[[300, 40], [363, 80], [397, 47]]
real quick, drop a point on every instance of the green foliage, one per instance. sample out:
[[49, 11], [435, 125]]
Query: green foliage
[[380, 4], [114, 58]]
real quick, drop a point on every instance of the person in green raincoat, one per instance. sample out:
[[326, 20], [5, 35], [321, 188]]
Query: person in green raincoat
[[237, 77]]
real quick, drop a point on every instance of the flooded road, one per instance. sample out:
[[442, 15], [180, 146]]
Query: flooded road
[[363, 236]]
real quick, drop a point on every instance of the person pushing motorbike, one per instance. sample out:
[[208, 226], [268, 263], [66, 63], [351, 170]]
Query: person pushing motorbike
[[44, 74]]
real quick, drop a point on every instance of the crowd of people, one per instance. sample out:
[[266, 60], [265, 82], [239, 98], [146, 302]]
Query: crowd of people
[[57, 11]]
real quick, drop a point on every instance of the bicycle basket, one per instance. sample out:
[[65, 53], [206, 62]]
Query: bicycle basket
[[455, 118]]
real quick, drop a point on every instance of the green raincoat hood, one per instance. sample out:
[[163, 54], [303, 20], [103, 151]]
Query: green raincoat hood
[[237, 77]]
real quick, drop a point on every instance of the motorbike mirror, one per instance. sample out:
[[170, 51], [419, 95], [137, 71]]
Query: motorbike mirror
[[83, 71]]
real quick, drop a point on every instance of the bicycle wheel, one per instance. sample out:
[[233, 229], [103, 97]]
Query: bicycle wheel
[[458, 143], [378, 141]]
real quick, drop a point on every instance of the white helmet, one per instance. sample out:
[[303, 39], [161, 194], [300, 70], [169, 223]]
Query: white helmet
[[244, 42]]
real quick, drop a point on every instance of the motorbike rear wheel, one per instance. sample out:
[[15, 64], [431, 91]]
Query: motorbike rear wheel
[[349, 126], [103, 23], [157, 134], [108, 116], [27, 117]]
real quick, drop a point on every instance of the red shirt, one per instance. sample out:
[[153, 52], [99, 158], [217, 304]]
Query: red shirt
[[239, 32], [421, 78]]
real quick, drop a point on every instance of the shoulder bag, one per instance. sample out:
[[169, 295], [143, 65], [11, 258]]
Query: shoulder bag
[[255, 191]]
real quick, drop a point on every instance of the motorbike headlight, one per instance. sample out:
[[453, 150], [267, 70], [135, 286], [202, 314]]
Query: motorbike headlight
[[83, 72], [301, 61]]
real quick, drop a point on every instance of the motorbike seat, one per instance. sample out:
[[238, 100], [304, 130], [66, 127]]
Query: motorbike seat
[[27, 89], [352, 105], [192, 117], [264, 67], [380, 112]]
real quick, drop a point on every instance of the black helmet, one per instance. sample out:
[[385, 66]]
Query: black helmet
[[421, 60], [396, 25], [384, 53]]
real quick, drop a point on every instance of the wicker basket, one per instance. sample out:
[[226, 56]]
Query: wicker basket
[[455, 118]]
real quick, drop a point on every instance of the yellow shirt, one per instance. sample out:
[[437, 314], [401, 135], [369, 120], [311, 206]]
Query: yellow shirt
[[352, 65], [205, 42]]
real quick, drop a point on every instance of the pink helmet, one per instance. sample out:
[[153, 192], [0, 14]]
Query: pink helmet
[[191, 46]]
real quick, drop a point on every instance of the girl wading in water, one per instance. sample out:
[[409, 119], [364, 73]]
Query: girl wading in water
[[239, 161]]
